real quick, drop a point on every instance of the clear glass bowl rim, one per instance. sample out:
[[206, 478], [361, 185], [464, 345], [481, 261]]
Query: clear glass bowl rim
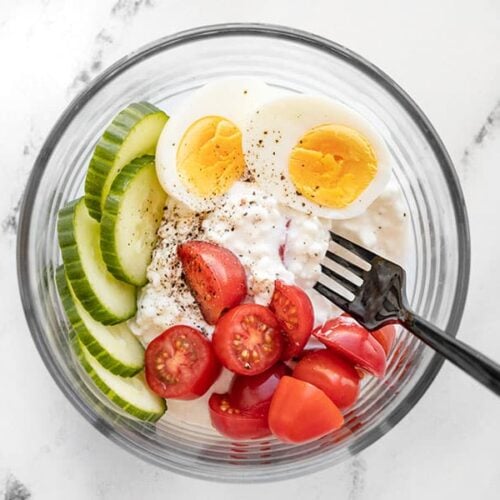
[[272, 32]]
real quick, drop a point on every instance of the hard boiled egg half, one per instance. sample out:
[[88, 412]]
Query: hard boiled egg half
[[316, 155], [199, 155]]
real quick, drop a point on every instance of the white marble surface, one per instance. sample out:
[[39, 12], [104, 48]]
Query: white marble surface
[[445, 54]]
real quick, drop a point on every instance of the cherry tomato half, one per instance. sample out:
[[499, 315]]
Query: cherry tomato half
[[214, 275], [336, 377], [385, 336], [301, 412], [247, 339], [254, 393], [294, 312], [181, 364], [234, 423], [348, 338]]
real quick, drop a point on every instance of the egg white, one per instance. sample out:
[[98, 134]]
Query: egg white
[[275, 128], [231, 98]]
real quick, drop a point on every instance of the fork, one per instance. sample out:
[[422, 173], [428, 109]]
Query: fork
[[380, 299]]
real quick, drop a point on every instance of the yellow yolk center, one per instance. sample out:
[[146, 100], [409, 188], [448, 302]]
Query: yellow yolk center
[[210, 156], [332, 165]]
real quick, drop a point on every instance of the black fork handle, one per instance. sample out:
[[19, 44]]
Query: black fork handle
[[474, 363]]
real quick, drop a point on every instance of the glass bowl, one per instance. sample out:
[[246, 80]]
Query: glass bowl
[[163, 73]]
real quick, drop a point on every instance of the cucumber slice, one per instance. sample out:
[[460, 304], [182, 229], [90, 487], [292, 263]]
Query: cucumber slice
[[131, 394], [106, 299], [116, 348], [130, 220], [133, 132]]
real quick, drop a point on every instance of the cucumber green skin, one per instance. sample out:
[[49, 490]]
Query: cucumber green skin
[[109, 246], [74, 269], [110, 394], [109, 362], [107, 150]]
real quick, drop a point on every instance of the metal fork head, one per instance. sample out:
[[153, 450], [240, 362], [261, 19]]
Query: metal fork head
[[379, 300]]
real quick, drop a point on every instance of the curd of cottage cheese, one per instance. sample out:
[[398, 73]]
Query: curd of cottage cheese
[[251, 225], [272, 242], [383, 228], [166, 301]]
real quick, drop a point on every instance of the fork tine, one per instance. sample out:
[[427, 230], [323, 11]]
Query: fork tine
[[332, 296], [353, 268], [352, 247], [348, 285]]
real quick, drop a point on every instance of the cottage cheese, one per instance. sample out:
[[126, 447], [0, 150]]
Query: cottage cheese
[[271, 241], [251, 225], [383, 228], [254, 226], [166, 301]]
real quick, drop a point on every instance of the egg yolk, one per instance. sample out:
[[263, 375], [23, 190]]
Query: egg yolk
[[210, 156], [332, 165]]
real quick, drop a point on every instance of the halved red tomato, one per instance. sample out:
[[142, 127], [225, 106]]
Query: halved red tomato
[[294, 312], [214, 275], [254, 393], [301, 412], [336, 377], [385, 337], [247, 339], [181, 364], [348, 338], [235, 423]]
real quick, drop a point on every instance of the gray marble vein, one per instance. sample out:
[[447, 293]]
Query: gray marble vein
[[488, 128], [9, 223], [358, 472], [122, 11], [15, 490], [127, 9], [94, 66]]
